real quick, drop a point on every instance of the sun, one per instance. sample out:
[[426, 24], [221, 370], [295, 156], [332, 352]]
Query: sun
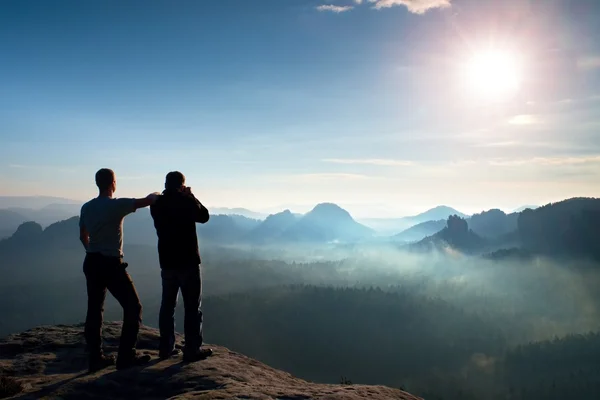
[[493, 75]]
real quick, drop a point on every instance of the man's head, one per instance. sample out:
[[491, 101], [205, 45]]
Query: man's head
[[174, 181], [106, 181]]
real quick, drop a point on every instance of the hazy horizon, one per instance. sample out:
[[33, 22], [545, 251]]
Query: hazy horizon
[[357, 211]]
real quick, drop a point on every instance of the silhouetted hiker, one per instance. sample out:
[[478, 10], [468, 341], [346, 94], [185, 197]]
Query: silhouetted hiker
[[175, 215], [101, 232]]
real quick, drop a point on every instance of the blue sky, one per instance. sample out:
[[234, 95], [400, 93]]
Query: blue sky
[[287, 103]]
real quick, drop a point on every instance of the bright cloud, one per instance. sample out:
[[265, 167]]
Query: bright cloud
[[335, 9], [370, 161], [522, 120], [414, 6]]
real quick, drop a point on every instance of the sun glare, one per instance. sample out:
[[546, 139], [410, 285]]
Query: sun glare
[[493, 75]]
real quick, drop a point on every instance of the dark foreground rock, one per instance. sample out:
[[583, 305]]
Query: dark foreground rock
[[50, 362]]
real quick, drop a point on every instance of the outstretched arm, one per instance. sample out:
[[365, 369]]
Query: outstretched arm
[[126, 206], [146, 201]]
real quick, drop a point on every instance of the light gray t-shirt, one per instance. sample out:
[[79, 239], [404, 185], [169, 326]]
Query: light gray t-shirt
[[102, 217]]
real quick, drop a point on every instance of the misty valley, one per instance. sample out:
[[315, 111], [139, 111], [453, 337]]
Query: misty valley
[[445, 305]]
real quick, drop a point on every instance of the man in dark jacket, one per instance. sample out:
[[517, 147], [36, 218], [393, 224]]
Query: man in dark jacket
[[175, 215]]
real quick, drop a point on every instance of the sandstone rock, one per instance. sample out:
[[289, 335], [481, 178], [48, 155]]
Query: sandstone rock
[[50, 362]]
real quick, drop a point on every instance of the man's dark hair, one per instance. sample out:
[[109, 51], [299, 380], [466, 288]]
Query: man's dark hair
[[175, 180], [104, 178]]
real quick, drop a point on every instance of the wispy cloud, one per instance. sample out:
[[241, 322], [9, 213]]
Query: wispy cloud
[[497, 144], [589, 63], [322, 177], [45, 168], [370, 161], [546, 161], [334, 8], [414, 6]]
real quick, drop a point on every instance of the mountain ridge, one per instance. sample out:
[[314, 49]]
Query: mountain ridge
[[393, 226], [420, 231], [327, 222]]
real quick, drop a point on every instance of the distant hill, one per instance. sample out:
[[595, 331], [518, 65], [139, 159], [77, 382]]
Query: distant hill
[[325, 223], [493, 223], [245, 223], [224, 229], [272, 227], [34, 202], [59, 234], [244, 212], [488, 224], [456, 234], [47, 214], [44, 254], [420, 231], [523, 208], [570, 227], [15, 214], [435, 214], [227, 229], [9, 222], [392, 226]]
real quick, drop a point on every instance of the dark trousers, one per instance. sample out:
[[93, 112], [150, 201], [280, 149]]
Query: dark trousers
[[104, 273], [189, 282]]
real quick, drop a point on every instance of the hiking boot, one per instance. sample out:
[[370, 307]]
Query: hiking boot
[[133, 360], [100, 362], [201, 354], [166, 355]]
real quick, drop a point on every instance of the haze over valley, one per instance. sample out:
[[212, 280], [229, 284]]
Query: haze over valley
[[497, 285]]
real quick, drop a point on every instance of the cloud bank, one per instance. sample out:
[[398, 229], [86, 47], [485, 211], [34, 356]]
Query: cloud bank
[[547, 161], [335, 9], [414, 6]]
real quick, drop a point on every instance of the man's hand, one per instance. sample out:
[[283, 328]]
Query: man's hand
[[146, 201], [187, 190], [152, 197]]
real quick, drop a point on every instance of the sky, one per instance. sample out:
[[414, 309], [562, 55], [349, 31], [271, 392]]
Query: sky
[[381, 106]]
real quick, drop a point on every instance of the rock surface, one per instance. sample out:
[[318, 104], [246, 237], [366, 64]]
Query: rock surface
[[50, 362]]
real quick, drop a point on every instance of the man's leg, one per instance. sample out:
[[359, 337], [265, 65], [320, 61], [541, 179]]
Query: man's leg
[[166, 318], [191, 290], [122, 288], [96, 291]]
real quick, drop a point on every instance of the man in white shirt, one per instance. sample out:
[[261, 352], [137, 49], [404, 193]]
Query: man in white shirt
[[101, 232]]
